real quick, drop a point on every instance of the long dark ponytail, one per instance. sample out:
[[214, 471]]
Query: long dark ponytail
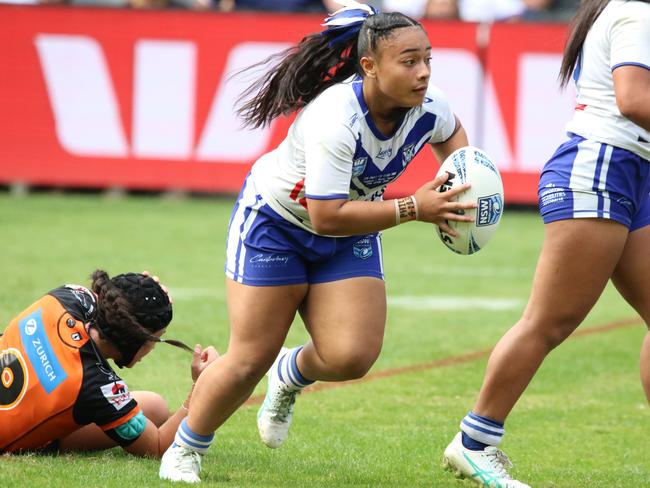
[[302, 72], [585, 17], [129, 308]]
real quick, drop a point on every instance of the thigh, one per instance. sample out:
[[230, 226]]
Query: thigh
[[577, 259], [632, 274], [260, 317], [346, 317]]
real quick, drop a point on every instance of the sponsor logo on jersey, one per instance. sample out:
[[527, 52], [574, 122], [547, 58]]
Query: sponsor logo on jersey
[[489, 210], [385, 153], [117, 394], [37, 345], [427, 100], [358, 166], [408, 153], [362, 249], [30, 327], [84, 296], [76, 336]]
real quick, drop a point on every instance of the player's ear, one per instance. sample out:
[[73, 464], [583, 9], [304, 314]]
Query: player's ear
[[369, 66]]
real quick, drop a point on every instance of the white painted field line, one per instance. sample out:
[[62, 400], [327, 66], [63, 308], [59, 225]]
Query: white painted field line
[[428, 302], [472, 272], [412, 302]]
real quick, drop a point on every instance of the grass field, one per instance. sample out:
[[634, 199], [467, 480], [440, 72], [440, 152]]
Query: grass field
[[580, 424]]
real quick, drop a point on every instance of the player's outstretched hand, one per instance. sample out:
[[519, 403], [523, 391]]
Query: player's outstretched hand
[[438, 207], [202, 359]]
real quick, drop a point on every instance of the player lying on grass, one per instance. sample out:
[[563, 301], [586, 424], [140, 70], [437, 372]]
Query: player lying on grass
[[57, 390]]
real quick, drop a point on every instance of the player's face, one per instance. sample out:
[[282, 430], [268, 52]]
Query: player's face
[[145, 349], [403, 66]]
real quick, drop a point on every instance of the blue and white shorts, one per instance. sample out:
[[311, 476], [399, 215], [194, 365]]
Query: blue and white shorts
[[264, 249], [585, 178]]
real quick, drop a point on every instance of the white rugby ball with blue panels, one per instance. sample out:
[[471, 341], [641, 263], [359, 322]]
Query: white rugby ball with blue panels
[[472, 165]]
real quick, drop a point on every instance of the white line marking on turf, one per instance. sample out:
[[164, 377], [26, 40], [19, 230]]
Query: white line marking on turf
[[453, 303], [412, 302], [462, 271]]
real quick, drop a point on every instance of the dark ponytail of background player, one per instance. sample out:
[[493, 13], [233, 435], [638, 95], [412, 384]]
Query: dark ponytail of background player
[[130, 308], [303, 71], [585, 17]]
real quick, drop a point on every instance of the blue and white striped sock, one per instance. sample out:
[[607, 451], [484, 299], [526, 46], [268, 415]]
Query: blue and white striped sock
[[186, 438], [480, 432], [288, 370]]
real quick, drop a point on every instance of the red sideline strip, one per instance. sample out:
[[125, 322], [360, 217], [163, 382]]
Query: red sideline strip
[[445, 362]]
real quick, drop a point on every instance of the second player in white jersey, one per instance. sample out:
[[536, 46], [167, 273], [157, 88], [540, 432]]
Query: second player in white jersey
[[619, 37], [594, 198]]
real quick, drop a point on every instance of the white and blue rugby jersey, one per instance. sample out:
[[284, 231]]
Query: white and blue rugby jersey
[[334, 150], [620, 36]]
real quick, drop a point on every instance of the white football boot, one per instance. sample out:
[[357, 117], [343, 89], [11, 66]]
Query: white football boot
[[275, 414], [487, 468], [180, 464]]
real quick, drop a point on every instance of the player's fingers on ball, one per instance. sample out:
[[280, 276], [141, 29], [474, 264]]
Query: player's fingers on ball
[[465, 205], [440, 179], [458, 190], [458, 217], [447, 230]]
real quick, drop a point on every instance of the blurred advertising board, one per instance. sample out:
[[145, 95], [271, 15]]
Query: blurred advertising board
[[94, 97]]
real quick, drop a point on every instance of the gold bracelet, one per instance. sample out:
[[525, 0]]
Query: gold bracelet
[[397, 219], [415, 205], [187, 409], [407, 208]]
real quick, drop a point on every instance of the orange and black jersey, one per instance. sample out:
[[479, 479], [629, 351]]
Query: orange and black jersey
[[54, 380]]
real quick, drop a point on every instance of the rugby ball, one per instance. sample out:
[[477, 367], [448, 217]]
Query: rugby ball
[[471, 165]]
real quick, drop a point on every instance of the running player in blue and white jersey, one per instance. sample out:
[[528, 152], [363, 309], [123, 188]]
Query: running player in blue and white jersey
[[304, 233], [594, 199]]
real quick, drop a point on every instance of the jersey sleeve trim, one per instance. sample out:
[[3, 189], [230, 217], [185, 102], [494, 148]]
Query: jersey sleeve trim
[[128, 432], [631, 63], [121, 420], [327, 197]]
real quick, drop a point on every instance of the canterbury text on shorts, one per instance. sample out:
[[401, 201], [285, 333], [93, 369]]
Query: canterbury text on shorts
[[589, 179], [264, 249]]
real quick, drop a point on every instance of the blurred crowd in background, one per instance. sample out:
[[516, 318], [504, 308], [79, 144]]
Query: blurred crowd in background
[[466, 10]]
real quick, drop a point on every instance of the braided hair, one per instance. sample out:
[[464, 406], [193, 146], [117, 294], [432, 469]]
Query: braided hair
[[130, 308], [301, 72]]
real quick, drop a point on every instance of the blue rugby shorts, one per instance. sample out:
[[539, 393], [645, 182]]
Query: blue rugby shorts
[[589, 179], [264, 249]]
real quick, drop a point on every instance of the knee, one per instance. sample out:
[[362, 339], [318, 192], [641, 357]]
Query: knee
[[351, 365], [553, 330], [250, 368], [153, 406]]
